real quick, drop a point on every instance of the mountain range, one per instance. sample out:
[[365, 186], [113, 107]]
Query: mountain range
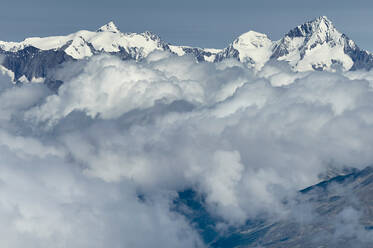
[[314, 45]]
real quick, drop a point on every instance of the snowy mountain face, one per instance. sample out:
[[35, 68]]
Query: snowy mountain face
[[251, 48], [315, 45], [86, 43], [33, 58]]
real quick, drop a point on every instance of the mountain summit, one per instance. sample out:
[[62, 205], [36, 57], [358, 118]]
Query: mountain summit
[[320, 26], [314, 45], [110, 27], [252, 48]]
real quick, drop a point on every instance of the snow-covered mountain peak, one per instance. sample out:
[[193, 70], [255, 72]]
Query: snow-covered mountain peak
[[109, 27], [323, 22], [320, 25], [252, 39], [252, 48], [314, 45], [318, 31]]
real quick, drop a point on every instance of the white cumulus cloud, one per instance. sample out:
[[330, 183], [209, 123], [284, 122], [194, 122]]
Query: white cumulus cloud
[[99, 163]]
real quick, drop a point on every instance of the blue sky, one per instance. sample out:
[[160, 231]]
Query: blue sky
[[204, 23]]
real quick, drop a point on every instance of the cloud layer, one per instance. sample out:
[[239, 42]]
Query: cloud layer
[[74, 164]]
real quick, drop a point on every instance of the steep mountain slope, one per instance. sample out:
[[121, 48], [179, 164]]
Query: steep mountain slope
[[334, 213], [318, 45]]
